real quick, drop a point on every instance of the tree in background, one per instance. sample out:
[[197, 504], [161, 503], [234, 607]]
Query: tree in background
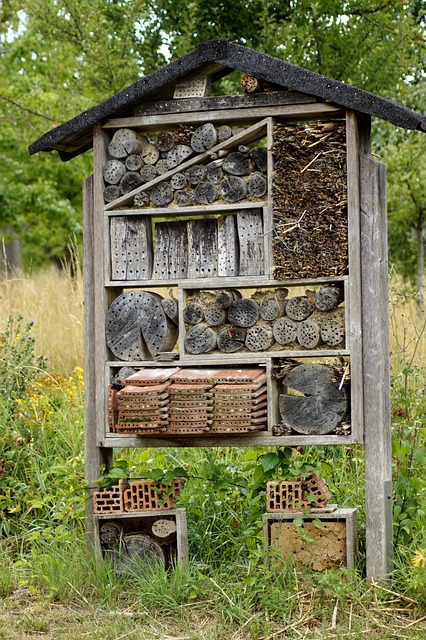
[[60, 57]]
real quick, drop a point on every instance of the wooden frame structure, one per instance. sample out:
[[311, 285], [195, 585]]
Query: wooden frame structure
[[156, 104]]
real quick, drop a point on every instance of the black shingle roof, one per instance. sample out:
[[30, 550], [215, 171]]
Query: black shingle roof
[[217, 58]]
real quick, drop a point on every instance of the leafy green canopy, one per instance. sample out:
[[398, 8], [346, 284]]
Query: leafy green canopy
[[60, 57]]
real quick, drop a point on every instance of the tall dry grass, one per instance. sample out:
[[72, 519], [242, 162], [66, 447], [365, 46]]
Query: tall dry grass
[[53, 300]]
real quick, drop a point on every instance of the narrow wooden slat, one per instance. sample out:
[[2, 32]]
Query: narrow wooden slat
[[251, 241], [202, 249], [171, 251], [130, 248], [227, 247]]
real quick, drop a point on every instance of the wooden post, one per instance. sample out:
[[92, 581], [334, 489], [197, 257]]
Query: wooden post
[[376, 376], [95, 456]]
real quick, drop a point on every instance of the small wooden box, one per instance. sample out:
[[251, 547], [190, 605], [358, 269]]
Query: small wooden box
[[335, 543]]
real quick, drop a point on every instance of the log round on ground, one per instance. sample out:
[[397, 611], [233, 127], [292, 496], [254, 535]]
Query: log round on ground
[[259, 338], [231, 339], [285, 331], [162, 194], [200, 339], [328, 298], [309, 334], [114, 170], [225, 297], [238, 164], [130, 181], [244, 312], [256, 185], [193, 313], [321, 409], [205, 193], [333, 332], [214, 315], [298, 308], [204, 138], [233, 189], [178, 181]]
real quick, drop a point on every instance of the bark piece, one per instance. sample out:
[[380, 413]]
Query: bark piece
[[309, 334], [259, 338], [114, 170], [328, 298], [285, 331], [238, 164], [256, 185], [214, 315], [233, 189], [244, 312], [162, 194], [204, 138], [321, 409], [193, 313], [333, 332], [231, 339], [205, 193], [200, 339], [298, 308], [130, 181]]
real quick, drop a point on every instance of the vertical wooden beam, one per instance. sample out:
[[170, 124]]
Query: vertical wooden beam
[[376, 369]]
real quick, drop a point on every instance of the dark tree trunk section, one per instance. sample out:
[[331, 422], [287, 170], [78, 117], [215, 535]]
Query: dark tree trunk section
[[205, 193], [196, 174], [256, 185], [148, 172], [238, 164], [131, 180], [134, 162], [233, 189], [162, 194], [214, 315], [111, 193]]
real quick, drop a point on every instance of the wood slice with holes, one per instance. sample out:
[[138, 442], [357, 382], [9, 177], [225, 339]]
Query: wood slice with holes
[[193, 313], [148, 172], [202, 248], [214, 315], [196, 174], [113, 171], [170, 306], [124, 142], [260, 157], [171, 250], [250, 84], [166, 140], [309, 334], [158, 331], [130, 181], [214, 172], [130, 243], [244, 312], [134, 162], [251, 242], [285, 331], [259, 338], [184, 198], [270, 309], [179, 181], [233, 189], [227, 247], [150, 153], [226, 297], [141, 199], [333, 332], [231, 339], [205, 193], [111, 193], [256, 185], [224, 133], [323, 406], [238, 164], [177, 155], [161, 166], [328, 298], [298, 308], [162, 194], [200, 339], [204, 138]]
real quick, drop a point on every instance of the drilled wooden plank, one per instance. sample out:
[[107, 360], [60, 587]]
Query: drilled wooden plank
[[227, 244], [202, 249], [171, 251], [131, 248], [250, 238]]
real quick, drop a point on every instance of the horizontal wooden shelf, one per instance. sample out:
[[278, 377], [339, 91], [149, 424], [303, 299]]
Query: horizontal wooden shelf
[[237, 282], [198, 209]]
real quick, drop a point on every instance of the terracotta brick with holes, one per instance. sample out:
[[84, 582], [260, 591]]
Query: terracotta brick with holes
[[108, 501], [146, 495], [285, 496]]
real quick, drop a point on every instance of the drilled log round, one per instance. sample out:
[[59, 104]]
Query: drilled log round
[[270, 309], [161, 166], [244, 312], [214, 172], [134, 162], [165, 140], [193, 313], [225, 297], [309, 334], [259, 338], [131, 180], [177, 155], [214, 315], [256, 185], [285, 331], [260, 157], [205, 193], [148, 172], [141, 199], [150, 153], [224, 133], [170, 306], [178, 181], [196, 174], [250, 84], [333, 332], [137, 327], [111, 193], [298, 308], [124, 143], [200, 339], [323, 406], [328, 298], [162, 194], [204, 138], [231, 340], [184, 198], [114, 170], [233, 189], [238, 164]]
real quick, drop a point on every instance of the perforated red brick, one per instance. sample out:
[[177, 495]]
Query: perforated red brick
[[147, 495], [108, 501], [285, 496]]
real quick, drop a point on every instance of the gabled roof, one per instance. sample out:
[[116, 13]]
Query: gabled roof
[[217, 58]]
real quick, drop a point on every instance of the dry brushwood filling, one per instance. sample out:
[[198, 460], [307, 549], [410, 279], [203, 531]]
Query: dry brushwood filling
[[310, 233]]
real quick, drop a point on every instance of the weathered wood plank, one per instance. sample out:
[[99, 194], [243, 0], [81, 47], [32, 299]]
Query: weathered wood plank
[[227, 247], [131, 252], [171, 251], [375, 330], [250, 237], [195, 209], [202, 249]]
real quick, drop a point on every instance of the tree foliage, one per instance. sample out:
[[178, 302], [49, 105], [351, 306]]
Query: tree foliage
[[60, 57]]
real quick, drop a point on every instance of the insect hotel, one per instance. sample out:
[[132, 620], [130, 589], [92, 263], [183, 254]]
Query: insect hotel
[[235, 265]]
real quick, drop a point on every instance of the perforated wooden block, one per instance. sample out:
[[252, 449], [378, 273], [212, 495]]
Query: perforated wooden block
[[146, 495], [285, 496], [334, 541], [108, 501]]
